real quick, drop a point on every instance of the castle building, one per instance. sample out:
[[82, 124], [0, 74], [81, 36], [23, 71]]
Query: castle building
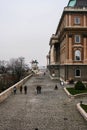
[[67, 58]]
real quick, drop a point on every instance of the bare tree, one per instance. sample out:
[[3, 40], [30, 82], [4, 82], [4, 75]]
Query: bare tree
[[12, 71]]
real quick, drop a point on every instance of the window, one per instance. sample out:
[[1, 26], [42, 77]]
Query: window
[[77, 72], [77, 20], [77, 55], [77, 39]]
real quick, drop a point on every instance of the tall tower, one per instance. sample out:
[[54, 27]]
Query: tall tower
[[68, 46]]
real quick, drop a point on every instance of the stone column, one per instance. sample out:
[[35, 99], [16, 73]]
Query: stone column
[[52, 55]]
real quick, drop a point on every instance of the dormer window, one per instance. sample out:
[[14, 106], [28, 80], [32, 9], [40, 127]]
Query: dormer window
[[77, 20]]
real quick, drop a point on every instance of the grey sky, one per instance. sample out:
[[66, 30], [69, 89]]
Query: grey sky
[[26, 27]]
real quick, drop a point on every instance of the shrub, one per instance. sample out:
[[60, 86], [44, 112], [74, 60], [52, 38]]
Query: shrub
[[79, 86]]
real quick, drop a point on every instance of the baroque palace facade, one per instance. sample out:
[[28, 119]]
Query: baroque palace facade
[[67, 57]]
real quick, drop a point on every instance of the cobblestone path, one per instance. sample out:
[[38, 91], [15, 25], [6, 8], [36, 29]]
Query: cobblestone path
[[50, 110]]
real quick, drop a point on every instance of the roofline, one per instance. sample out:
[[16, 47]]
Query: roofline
[[68, 2], [70, 10], [59, 22]]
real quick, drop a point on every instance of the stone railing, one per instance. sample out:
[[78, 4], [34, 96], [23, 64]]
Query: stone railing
[[74, 96], [8, 91], [83, 113]]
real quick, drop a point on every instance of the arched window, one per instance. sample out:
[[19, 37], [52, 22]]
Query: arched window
[[77, 72], [77, 55]]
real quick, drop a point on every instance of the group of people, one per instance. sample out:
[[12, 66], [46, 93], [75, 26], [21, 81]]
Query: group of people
[[38, 88], [25, 89], [21, 89]]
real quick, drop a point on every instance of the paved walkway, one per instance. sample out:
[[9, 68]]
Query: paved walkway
[[50, 110]]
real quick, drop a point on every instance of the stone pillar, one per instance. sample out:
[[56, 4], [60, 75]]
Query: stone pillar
[[52, 55]]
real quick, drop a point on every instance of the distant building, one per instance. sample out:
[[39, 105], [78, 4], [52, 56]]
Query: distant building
[[67, 58]]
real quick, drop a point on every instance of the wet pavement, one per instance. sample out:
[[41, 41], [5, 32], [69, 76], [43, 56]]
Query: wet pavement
[[50, 110]]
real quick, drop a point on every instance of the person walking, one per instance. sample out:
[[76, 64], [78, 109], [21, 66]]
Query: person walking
[[56, 87], [38, 88], [36, 128], [14, 89], [25, 89], [21, 89]]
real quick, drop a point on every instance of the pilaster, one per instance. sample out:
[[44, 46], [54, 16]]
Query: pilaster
[[84, 18], [67, 48], [70, 49], [66, 20], [85, 50], [69, 19]]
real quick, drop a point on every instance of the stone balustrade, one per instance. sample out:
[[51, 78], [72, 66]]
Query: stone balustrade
[[5, 94], [81, 110]]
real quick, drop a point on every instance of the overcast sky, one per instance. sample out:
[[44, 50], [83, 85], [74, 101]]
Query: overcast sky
[[26, 27]]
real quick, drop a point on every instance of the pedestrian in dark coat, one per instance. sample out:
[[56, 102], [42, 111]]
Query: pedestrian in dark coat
[[36, 128], [38, 88], [25, 89], [21, 89], [56, 87]]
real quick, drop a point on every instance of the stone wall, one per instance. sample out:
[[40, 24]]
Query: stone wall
[[62, 72], [8, 92], [69, 72]]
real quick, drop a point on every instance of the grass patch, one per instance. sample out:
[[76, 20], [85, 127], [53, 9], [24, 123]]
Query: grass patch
[[73, 91], [84, 107]]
